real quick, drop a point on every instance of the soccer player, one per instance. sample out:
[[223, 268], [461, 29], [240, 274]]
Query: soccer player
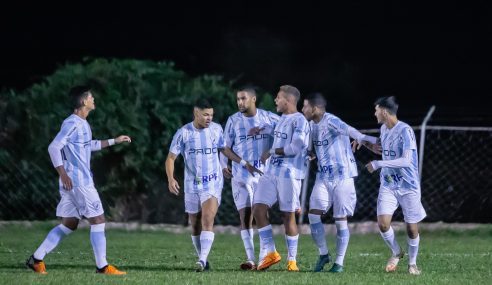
[[70, 153], [199, 143], [334, 186], [400, 183], [282, 179], [248, 134]]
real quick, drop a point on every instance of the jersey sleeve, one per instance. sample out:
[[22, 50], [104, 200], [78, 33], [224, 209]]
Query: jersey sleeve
[[177, 145], [95, 145], [229, 133], [408, 138], [68, 129], [220, 138]]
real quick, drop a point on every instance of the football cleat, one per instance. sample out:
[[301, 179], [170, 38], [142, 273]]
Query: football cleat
[[110, 270], [269, 260], [322, 261], [414, 270], [392, 264], [37, 266], [292, 266], [248, 265], [336, 268]]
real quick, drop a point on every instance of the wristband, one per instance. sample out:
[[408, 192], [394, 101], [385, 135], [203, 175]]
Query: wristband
[[272, 151], [243, 162], [111, 141]]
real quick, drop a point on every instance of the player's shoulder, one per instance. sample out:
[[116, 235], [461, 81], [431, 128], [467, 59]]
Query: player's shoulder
[[73, 121], [268, 114], [404, 126], [236, 116], [215, 126]]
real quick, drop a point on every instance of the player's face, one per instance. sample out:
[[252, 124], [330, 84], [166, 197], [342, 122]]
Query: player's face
[[380, 114], [281, 101], [245, 101], [203, 117], [89, 102], [307, 110]]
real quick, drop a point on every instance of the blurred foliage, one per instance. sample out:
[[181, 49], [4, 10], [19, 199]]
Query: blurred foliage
[[146, 100]]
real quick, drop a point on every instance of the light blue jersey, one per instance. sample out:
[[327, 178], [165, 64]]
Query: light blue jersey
[[249, 147], [395, 142], [291, 129], [200, 149], [76, 144], [330, 138]]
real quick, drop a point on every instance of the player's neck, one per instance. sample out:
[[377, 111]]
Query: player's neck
[[197, 126], [250, 113], [290, 110], [317, 118], [82, 113], [391, 122]]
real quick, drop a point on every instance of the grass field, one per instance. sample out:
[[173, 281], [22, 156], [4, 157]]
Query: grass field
[[158, 257]]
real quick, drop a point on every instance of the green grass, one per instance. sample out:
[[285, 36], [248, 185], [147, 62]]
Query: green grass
[[157, 257]]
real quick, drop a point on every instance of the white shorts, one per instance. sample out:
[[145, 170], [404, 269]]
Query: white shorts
[[389, 200], [81, 201], [284, 190], [339, 193], [194, 201], [243, 192]]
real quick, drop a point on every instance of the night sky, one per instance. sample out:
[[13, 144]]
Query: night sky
[[352, 53]]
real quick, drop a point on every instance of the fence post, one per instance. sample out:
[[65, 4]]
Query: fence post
[[422, 139]]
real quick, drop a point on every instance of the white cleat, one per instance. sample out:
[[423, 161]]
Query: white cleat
[[392, 264], [414, 270]]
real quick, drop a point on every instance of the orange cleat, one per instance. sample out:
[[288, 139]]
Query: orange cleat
[[37, 266], [269, 260], [110, 270]]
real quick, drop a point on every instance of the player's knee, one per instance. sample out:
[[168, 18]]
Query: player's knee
[[383, 227]]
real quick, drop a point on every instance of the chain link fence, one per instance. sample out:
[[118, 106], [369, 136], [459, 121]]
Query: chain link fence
[[456, 185]]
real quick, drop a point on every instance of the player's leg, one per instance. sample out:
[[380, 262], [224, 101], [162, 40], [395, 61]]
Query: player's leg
[[289, 191], [263, 199], [319, 204], [196, 230], [67, 210], [413, 213], [90, 206], [243, 199], [344, 200], [386, 206], [210, 205]]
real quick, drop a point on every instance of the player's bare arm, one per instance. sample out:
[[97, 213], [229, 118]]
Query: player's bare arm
[[173, 184], [234, 157], [118, 140]]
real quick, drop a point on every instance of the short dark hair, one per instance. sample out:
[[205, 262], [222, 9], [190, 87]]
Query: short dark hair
[[78, 94], [289, 89], [389, 103], [316, 100], [249, 89], [202, 104]]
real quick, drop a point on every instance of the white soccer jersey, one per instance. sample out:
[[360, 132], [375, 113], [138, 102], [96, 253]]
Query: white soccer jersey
[[76, 144], [292, 128], [200, 149], [249, 147], [395, 142], [331, 142]]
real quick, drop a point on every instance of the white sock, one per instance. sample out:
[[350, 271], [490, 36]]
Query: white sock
[[206, 241], [318, 233], [53, 238], [98, 241], [390, 239], [291, 242], [267, 243], [343, 237], [247, 236], [413, 250], [196, 244]]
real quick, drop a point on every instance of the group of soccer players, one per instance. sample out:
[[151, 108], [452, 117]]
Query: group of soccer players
[[269, 155]]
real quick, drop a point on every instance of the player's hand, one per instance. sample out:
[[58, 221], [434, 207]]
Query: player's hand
[[252, 170], [227, 172], [121, 139], [369, 167], [255, 131], [311, 156], [356, 145], [174, 187], [66, 181], [265, 156]]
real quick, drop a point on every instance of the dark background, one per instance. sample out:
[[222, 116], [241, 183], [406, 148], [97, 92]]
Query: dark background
[[353, 52]]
